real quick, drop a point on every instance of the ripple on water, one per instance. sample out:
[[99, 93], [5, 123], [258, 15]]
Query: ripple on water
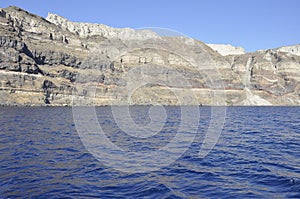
[[257, 156]]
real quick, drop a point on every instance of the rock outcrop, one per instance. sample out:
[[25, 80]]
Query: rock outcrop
[[228, 49], [88, 30], [293, 50], [57, 62]]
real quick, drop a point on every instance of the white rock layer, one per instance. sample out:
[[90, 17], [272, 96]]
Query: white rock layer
[[227, 49], [90, 29], [294, 50]]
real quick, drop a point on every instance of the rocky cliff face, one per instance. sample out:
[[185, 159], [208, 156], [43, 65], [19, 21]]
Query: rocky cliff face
[[57, 62], [293, 50], [88, 30]]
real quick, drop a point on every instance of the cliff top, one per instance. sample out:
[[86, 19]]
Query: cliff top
[[91, 29]]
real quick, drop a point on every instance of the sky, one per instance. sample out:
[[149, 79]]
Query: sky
[[251, 24]]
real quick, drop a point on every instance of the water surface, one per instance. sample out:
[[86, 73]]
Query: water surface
[[257, 156]]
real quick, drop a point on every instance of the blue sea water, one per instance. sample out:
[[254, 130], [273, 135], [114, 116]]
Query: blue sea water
[[257, 156]]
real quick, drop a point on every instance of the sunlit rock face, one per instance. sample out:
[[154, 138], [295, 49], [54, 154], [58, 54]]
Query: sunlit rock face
[[292, 50], [227, 49], [57, 62], [89, 29]]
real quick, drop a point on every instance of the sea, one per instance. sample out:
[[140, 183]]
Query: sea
[[249, 152]]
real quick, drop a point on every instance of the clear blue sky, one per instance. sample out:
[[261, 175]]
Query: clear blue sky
[[252, 24]]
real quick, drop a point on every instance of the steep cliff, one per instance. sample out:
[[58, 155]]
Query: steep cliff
[[88, 29], [57, 62]]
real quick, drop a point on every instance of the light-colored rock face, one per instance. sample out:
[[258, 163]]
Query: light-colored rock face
[[254, 100], [89, 29], [293, 50], [224, 49]]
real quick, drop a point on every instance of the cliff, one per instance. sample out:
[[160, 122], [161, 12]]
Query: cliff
[[57, 62], [88, 30]]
